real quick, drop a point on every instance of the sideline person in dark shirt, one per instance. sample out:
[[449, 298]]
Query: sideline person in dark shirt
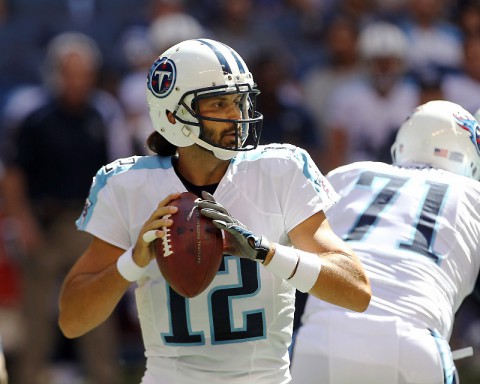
[[52, 155]]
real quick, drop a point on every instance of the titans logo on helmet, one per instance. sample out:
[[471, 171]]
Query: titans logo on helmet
[[472, 127], [162, 76]]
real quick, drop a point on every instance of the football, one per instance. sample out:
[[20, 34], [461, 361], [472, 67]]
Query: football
[[190, 252]]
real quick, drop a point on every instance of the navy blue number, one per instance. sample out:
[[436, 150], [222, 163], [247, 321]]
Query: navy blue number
[[254, 327], [424, 228], [181, 333], [383, 199], [220, 302]]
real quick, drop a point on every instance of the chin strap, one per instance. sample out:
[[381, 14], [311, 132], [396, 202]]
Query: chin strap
[[220, 153]]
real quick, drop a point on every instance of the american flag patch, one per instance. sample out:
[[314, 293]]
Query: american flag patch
[[440, 152]]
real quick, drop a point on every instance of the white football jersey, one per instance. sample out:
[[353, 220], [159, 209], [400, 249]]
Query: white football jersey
[[239, 328], [416, 232]]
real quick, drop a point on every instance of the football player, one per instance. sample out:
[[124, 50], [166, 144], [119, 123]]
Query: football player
[[269, 200], [415, 226]]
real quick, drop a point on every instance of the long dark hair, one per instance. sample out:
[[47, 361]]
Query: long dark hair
[[158, 144]]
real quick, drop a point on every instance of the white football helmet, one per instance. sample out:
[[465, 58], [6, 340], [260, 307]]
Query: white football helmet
[[196, 69], [443, 135]]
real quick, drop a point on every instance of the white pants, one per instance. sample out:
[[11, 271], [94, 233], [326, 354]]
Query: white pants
[[347, 347]]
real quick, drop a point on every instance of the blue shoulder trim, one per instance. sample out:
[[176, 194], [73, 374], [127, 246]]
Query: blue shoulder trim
[[287, 152], [115, 168], [274, 150], [136, 162]]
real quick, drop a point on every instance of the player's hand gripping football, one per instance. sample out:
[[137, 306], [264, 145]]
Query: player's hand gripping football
[[143, 252], [240, 241]]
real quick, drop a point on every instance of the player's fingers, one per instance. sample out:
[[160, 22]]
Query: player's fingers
[[159, 223], [149, 236], [229, 243], [163, 208], [216, 215], [210, 205], [219, 224], [153, 230], [208, 196], [168, 199]]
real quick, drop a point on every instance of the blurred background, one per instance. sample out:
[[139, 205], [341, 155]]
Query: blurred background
[[338, 77]]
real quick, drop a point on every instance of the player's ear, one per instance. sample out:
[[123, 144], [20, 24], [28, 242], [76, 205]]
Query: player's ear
[[170, 117]]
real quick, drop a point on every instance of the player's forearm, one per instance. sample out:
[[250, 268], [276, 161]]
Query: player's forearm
[[343, 282], [333, 276], [87, 300]]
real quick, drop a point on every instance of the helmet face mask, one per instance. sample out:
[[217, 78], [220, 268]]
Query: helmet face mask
[[248, 125], [194, 70], [443, 135]]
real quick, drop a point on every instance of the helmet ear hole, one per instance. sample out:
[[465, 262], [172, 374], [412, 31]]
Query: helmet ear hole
[[170, 117]]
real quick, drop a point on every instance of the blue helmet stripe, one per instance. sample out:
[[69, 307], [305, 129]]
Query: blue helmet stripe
[[241, 67], [221, 58]]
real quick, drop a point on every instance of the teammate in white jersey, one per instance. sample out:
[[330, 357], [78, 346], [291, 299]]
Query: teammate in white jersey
[[270, 201], [415, 226]]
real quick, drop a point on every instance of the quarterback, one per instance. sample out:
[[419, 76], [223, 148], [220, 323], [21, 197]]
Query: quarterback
[[270, 201]]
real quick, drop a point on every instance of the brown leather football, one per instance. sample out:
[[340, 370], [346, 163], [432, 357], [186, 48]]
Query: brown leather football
[[190, 253]]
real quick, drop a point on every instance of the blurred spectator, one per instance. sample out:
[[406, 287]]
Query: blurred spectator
[[468, 17], [19, 102], [151, 10], [236, 23], [300, 24], [342, 65], [4, 11], [171, 29], [430, 88], [363, 12], [464, 88], [434, 43], [391, 10], [365, 113], [52, 155], [19, 44], [159, 8], [285, 119], [138, 54]]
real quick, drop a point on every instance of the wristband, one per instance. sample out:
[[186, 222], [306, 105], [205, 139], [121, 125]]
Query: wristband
[[283, 262], [128, 268], [306, 274]]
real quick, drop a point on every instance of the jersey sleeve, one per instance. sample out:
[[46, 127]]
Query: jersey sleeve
[[307, 191], [102, 215]]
